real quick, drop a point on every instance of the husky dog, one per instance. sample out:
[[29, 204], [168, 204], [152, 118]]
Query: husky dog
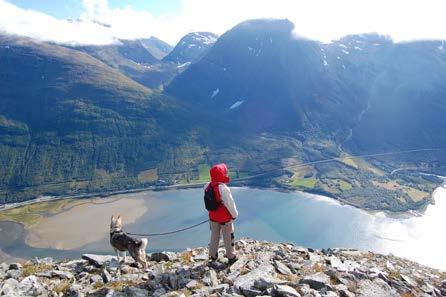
[[122, 242]]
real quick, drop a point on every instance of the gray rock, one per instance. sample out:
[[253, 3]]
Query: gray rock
[[428, 288], [102, 292], [62, 274], [343, 291], [95, 279], [106, 277], [30, 286], [159, 292], [282, 268], [345, 266], [376, 272], [409, 281], [375, 288], [173, 280], [98, 260], [135, 292], [211, 279], [317, 281], [351, 253], [243, 284], [192, 284], [163, 256], [265, 283], [242, 260], [76, 291], [9, 287], [3, 267], [15, 266], [285, 291], [172, 294], [201, 257]]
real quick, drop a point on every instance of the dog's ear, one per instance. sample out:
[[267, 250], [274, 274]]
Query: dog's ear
[[119, 217], [112, 217]]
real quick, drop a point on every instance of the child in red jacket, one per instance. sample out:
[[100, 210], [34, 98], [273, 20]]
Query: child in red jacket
[[221, 219]]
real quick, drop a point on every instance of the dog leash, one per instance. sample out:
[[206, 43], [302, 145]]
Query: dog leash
[[170, 232]]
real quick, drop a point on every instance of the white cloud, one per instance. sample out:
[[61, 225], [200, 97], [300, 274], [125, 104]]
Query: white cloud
[[323, 20]]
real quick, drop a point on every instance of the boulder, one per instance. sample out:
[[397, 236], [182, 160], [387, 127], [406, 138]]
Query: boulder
[[192, 284], [106, 277], [343, 266], [62, 274], [343, 291], [135, 292], [408, 280], [236, 266], [284, 291], [30, 286], [15, 266], [162, 256], [102, 292], [75, 290], [282, 268], [265, 283], [9, 287], [98, 260], [317, 281], [4, 267], [211, 279], [245, 284], [375, 288], [13, 274]]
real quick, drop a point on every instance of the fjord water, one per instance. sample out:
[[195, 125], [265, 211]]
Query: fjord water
[[307, 220]]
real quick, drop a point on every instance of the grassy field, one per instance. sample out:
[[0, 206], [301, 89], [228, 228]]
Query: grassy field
[[358, 163], [308, 183], [148, 175], [203, 172], [414, 194]]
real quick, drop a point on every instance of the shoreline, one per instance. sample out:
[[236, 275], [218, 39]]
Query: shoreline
[[155, 207], [283, 189]]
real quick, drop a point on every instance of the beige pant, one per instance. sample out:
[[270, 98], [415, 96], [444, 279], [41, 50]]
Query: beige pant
[[228, 237]]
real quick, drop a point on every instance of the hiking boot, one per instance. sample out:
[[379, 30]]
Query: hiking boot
[[232, 260]]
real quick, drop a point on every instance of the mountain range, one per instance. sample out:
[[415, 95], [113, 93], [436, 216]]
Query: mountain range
[[135, 113]]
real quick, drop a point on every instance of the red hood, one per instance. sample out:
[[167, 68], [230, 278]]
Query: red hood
[[219, 173]]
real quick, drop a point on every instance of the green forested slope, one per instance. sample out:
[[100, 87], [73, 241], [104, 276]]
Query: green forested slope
[[65, 116]]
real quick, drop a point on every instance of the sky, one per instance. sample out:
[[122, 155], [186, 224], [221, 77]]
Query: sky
[[106, 21]]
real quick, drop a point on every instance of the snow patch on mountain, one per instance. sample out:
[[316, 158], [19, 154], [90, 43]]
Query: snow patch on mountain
[[205, 38], [183, 65], [236, 104], [215, 93]]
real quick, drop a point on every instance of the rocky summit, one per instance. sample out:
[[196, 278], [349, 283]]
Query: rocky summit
[[262, 269]]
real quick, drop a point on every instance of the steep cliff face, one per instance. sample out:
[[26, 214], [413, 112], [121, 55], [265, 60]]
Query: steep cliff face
[[263, 268]]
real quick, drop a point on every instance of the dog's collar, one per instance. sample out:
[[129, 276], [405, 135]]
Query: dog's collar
[[116, 231]]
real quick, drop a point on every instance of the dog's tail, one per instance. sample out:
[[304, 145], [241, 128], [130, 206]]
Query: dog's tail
[[143, 243]]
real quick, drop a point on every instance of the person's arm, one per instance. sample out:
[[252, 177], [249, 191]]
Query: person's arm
[[206, 186], [228, 201]]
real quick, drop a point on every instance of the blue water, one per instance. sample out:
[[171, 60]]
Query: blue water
[[299, 218]]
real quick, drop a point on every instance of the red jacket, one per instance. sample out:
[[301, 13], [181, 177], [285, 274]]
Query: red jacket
[[219, 174]]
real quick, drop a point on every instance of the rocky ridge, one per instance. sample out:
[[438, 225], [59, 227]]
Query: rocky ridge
[[263, 269]]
